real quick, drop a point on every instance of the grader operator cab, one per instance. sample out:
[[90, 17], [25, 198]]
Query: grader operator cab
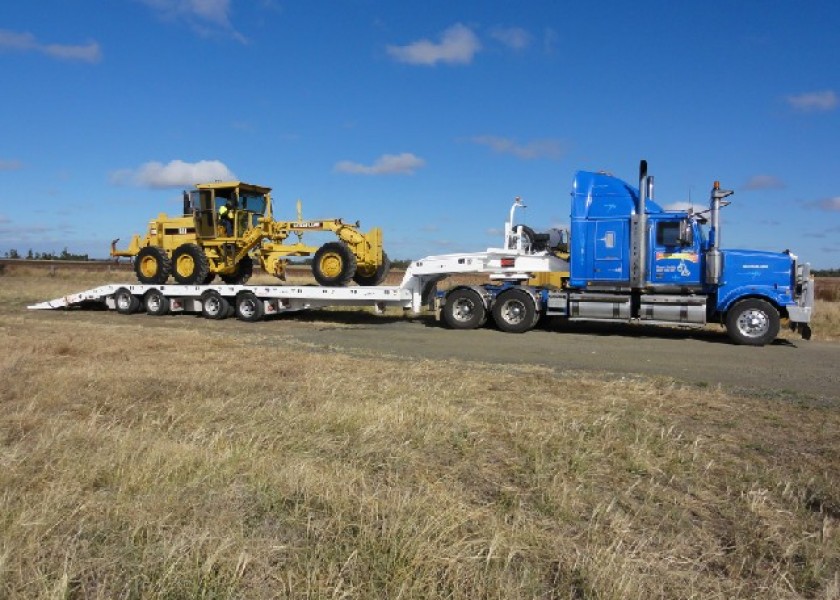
[[226, 225]]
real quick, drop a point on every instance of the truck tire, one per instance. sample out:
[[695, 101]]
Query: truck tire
[[249, 307], [152, 266], [214, 305], [753, 322], [373, 276], [190, 265], [333, 264], [514, 311], [244, 270], [156, 303], [126, 303], [464, 309]]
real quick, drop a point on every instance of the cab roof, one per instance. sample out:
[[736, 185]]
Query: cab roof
[[226, 185]]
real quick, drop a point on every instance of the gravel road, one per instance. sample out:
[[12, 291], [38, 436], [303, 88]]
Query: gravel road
[[793, 369], [790, 369]]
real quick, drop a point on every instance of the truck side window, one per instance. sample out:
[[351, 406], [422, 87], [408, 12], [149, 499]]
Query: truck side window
[[668, 234]]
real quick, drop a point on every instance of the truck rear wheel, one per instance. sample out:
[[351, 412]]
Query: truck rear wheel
[[249, 307], [373, 275], [514, 311], [152, 265], [333, 264], [156, 303], [464, 309], [752, 322], [125, 302], [214, 305], [189, 264]]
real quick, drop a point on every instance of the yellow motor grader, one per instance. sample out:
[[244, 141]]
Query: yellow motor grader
[[225, 225]]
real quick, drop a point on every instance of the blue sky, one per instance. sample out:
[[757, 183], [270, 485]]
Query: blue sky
[[425, 118]]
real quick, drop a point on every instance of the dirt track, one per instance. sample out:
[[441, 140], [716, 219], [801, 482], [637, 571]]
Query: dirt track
[[788, 369]]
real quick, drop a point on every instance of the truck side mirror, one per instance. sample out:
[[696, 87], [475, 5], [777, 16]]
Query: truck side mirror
[[686, 233]]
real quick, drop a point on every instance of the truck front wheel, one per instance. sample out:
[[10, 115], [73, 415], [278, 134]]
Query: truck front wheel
[[752, 322]]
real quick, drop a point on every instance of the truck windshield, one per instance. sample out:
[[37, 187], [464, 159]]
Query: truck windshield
[[703, 231]]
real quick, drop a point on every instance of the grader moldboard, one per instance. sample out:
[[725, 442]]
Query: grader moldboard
[[199, 245]]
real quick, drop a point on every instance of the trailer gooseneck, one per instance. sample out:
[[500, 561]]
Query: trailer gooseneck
[[626, 260]]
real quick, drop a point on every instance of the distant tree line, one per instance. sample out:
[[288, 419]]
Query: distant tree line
[[63, 255], [826, 272]]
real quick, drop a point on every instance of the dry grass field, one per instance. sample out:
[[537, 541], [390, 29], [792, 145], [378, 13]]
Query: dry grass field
[[199, 461]]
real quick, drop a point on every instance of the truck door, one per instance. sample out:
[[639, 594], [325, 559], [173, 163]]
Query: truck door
[[674, 256], [204, 213], [610, 243]]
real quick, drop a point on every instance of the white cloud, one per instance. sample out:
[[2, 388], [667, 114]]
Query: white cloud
[[764, 182], [680, 205], [176, 173], [814, 101], [387, 164], [552, 149], [512, 37], [826, 204], [10, 165], [458, 45], [26, 42], [207, 17]]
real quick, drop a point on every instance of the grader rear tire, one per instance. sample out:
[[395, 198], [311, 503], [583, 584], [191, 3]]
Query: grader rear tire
[[333, 264], [190, 265], [152, 266], [244, 270]]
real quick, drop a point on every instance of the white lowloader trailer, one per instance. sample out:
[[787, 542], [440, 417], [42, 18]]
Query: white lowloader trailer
[[511, 265]]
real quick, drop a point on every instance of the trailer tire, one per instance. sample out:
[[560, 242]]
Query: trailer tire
[[244, 270], [190, 265], [375, 276], [156, 303], [333, 264], [248, 307], [152, 265], [464, 309], [752, 322], [214, 305], [514, 311], [125, 302]]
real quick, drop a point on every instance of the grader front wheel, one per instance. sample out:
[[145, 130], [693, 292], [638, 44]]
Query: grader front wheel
[[373, 275], [333, 264]]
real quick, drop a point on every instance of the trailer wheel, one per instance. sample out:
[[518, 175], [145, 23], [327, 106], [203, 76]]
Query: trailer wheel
[[752, 322], [244, 270], [464, 309], [156, 303], [514, 311], [373, 275], [333, 264], [126, 302], [189, 264], [214, 305], [249, 307]]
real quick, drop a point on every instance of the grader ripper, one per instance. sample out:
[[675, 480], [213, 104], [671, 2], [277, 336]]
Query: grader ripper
[[199, 245]]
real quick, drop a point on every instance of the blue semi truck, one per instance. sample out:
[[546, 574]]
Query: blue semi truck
[[629, 260]]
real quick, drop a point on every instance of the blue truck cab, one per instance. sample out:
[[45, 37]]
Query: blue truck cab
[[665, 266]]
